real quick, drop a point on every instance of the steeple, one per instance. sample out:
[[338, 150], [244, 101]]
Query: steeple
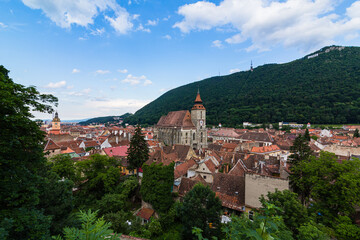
[[56, 118], [198, 102]]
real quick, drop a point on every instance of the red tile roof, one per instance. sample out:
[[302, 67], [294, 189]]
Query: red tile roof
[[145, 213], [265, 149], [120, 151], [182, 169], [176, 119]]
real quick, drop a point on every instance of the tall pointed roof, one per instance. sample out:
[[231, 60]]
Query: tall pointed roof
[[56, 118], [198, 102], [198, 98]]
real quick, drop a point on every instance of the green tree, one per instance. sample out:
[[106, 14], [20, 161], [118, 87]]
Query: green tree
[[56, 199], [335, 186], [310, 231], [91, 229], [21, 158], [356, 133], [289, 207], [299, 182], [156, 185], [199, 208], [64, 166], [100, 175], [307, 135], [267, 225], [138, 151]]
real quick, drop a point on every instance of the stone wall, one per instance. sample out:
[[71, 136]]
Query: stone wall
[[257, 185], [342, 151]]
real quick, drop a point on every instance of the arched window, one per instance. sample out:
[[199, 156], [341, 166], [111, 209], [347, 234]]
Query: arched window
[[193, 136]]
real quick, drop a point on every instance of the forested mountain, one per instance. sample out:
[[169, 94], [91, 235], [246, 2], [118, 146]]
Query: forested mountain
[[322, 87], [107, 119]]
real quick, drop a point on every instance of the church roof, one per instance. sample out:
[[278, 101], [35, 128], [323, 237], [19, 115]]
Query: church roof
[[176, 119]]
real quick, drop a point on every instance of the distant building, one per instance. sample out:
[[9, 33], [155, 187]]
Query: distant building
[[183, 127], [55, 125]]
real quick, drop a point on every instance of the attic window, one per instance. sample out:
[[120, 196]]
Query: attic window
[[237, 193], [218, 188]]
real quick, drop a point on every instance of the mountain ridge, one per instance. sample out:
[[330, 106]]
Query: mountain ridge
[[321, 87]]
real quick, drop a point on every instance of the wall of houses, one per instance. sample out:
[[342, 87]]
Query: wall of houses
[[257, 185], [342, 151]]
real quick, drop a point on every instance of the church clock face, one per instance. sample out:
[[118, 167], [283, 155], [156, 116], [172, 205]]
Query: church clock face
[[201, 122]]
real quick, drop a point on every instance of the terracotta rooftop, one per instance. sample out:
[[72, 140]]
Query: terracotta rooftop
[[182, 169], [265, 149], [145, 213], [230, 189], [257, 137], [176, 119], [120, 151], [51, 145]]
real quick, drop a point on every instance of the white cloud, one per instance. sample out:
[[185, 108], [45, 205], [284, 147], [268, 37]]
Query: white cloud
[[147, 82], [305, 24], [75, 70], [133, 80], [122, 70], [97, 31], [152, 22], [84, 92], [102, 71], [168, 37], [70, 12], [141, 28], [87, 90], [122, 22], [217, 43], [56, 85], [234, 70], [3, 25], [166, 18]]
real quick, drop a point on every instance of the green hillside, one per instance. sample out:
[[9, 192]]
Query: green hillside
[[107, 119], [317, 89]]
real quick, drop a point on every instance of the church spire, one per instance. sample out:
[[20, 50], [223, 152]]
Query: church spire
[[198, 98], [198, 102]]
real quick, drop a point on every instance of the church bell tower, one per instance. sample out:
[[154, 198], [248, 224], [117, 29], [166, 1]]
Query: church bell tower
[[198, 117]]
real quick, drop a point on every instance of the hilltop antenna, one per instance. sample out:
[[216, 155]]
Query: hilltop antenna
[[251, 67]]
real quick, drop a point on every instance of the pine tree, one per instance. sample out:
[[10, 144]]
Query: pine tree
[[138, 151], [301, 153], [307, 135], [356, 133]]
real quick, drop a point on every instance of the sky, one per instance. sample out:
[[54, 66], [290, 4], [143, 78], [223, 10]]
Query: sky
[[109, 57]]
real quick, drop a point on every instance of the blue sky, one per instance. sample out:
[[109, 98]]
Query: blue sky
[[108, 57]]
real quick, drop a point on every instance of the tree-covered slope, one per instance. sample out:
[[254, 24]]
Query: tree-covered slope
[[323, 87], [103, 120]]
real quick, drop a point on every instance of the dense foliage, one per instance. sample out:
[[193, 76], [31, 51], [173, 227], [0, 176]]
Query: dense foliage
[[21, 161], [323, 89], [157, 185], [201, 209]]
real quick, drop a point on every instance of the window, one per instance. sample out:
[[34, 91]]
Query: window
[[204, 177], [193, 136], [201, 140]]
